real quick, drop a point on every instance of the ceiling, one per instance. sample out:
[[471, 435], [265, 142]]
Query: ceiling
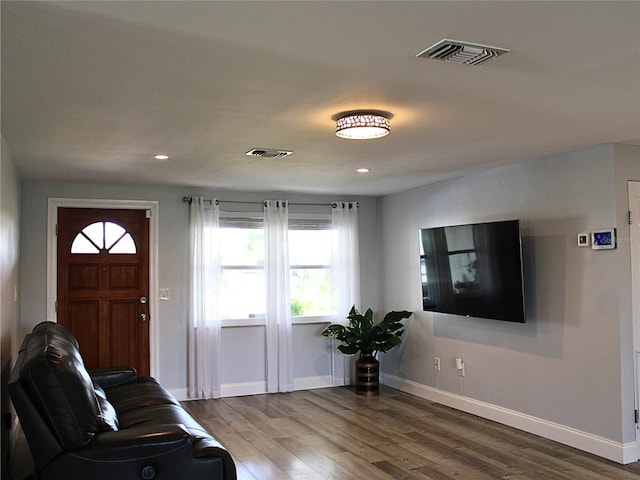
[[92, 90]]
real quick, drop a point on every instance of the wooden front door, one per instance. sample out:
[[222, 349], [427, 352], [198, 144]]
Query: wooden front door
[[103, 284]]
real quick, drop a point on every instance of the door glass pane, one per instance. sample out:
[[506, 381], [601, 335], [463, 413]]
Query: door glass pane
[[103, 235], [82, 245], [112, 232], [95, 232], [124, 245]]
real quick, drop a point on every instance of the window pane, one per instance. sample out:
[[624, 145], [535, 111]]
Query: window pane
[[82, 245], [95, 232], [310, 291], [103, 235], [242, 293], [112, 232], [309, 247], [241, 246], [124, 245], [242, 263]]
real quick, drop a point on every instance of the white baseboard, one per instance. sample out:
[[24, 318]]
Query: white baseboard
[[180, 394], [615, 451], [309, 383], [258, 388]]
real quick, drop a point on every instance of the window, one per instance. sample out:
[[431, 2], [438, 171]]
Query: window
[[242, 294], [310, 266], [101, 236], [242, 268]]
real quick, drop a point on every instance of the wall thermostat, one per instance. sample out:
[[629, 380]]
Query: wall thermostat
[[604, 239]]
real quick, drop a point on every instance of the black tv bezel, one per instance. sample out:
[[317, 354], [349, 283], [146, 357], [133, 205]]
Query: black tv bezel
[[518, 312]]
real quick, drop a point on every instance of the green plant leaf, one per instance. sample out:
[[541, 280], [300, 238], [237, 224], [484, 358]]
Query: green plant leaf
[[361, 334], [348, 349], [333, 331]]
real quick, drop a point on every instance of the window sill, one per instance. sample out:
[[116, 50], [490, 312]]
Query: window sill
[[261, 321]]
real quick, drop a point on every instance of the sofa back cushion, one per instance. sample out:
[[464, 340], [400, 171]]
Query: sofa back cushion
[[57, 382]]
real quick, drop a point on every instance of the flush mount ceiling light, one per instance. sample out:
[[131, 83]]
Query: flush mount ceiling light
[[362, 124]]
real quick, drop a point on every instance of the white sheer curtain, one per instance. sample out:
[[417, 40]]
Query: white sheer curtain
[[345, 266], [278, 320], [203, 307]]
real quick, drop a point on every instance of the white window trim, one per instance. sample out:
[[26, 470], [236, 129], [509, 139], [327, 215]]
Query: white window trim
[[260, 321]]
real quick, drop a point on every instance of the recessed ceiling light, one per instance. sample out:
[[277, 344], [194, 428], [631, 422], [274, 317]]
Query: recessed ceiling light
[[363, 170], [161, 156]]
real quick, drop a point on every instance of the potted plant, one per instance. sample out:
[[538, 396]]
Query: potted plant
[[362, 335]]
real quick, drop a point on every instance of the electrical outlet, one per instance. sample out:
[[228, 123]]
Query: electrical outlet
[[460, 366], [436, 364]]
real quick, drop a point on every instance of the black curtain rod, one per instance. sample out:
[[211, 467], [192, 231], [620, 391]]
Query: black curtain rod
[[332, 204]]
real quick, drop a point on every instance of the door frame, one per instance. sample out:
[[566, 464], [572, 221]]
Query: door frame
[[52, 264], [633, 189]]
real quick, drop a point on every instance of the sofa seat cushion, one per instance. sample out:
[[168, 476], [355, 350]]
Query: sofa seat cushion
[[204, 445], [144, 393], [159, 415]]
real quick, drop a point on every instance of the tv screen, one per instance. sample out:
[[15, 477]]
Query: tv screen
[[473, 270]]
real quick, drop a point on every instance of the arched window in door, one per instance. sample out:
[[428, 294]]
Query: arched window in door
[[103, 236]]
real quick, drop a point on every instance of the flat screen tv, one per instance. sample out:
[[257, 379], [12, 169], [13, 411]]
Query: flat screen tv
[[473, 270]]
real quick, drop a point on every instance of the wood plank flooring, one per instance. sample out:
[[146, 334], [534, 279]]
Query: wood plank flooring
[[335, 434]]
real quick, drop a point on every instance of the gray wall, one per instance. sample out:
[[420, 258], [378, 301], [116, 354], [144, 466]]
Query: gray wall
[[9, 278], [571, 363], [243, 348]]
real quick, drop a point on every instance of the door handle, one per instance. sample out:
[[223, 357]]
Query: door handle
[[144, 317]]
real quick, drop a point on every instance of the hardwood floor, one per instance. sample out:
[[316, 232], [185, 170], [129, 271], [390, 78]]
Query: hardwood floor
[[334, 434]]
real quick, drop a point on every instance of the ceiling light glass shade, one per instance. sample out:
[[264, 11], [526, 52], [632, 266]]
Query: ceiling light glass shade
[[362, 124]]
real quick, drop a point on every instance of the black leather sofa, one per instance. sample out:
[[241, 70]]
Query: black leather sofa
[[105, 424]]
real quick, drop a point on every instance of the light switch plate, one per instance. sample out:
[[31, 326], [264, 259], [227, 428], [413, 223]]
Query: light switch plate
[[584, 239]]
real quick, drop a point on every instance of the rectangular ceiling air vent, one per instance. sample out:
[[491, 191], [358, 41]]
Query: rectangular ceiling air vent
[[461, 52], [268, 153]]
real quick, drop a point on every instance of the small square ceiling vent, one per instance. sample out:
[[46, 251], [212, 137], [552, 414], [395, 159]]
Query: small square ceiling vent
[[268, 153], [461, 52]]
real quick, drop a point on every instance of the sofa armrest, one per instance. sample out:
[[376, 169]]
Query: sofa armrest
[[113, 376], [136, 442]]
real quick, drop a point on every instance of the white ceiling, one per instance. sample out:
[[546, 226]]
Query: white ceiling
[[91, 90]]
